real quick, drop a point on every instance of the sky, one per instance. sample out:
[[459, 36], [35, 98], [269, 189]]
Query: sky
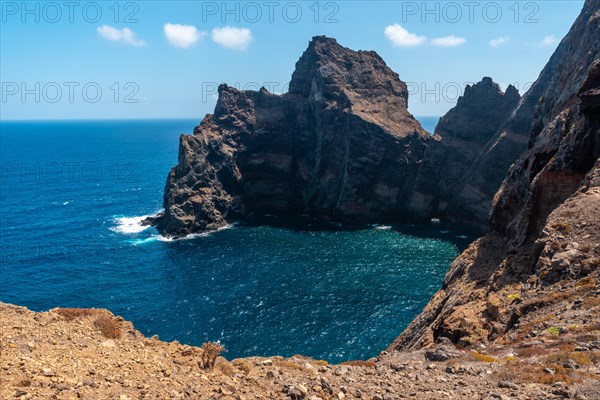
[[165, 59]]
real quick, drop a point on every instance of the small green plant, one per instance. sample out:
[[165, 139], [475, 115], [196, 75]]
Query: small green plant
[[210, 352], [513, 297], [553, 330]]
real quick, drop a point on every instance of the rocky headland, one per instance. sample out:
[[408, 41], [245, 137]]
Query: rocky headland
[[518, 315], [340, 146]]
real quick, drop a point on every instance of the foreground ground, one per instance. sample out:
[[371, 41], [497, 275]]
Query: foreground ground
[[90, 354]]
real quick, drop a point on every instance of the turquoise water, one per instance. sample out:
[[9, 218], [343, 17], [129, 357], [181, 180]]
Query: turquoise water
[[70, 198]]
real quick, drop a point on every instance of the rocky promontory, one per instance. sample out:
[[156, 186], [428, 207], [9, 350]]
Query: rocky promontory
[[340, 146]]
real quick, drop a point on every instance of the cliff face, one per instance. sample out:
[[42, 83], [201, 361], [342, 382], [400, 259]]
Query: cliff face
[[340, 146], [543, 251], [444, 187]]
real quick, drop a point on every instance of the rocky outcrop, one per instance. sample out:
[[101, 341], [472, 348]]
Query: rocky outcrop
[[543, 250], [339, 146], [444, 187]]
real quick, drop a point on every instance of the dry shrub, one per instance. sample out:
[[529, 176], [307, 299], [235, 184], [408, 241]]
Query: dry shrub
[[524, 372], [210, 352], [580, 357], [538, 375], [288, 364], [482, 357], [360, 363], [562, 227], [70, 314], [531, 351], [109, 326]]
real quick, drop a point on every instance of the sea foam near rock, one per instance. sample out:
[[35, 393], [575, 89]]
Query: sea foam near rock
[[130, 225]]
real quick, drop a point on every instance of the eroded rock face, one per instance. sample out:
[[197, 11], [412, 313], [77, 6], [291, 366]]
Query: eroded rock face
[[445, 187], [543, 250], [339, 146]]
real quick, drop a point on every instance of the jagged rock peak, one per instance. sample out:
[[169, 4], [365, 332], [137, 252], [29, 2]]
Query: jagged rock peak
[[478, 112], [340, 146], [326, 60]]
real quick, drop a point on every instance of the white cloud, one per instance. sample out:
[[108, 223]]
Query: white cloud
[[549, 40], [499, 41], [232, 38], [182, 36], [400, 37], [124, 35], [448, 41]]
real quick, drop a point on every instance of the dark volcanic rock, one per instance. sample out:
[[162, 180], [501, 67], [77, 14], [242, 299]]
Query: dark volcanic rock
[[339, 146], [444, 188], [562, 148], [545, 214]]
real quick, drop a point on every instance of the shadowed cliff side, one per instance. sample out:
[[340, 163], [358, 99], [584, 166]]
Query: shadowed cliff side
[[465, 132], [543, 251]]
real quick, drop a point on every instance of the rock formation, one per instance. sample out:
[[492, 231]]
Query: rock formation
[[543, 253], [340, 146], [444, 187]]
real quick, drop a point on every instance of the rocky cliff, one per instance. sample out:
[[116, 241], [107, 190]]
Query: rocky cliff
[[445, 186], [339, 146], [538, 270]]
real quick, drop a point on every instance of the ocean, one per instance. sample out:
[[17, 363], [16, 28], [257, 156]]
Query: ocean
[[73, 193]]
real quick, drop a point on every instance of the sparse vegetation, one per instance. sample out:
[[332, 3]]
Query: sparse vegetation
[[513, 296], [562, 227], [109, 326], [71, 314], [553, 330], [360, 363], [210, 352], [483, 357]]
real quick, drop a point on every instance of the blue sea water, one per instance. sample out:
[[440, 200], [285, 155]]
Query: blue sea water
[[72, 194], [429, 123]]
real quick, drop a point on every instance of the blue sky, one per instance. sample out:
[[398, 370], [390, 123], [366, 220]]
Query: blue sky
[[159, 59]]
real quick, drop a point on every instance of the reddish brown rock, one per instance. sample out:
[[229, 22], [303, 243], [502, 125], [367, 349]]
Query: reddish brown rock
[[543, 251]]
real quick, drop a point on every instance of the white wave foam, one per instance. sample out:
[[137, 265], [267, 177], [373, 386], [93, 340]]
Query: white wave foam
[[150, 239], [129, 225]]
